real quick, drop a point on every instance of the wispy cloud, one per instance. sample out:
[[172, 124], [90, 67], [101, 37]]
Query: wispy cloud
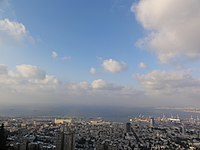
[[93, 70], [66, 58], [6, 9], [142, 65], [54, 54]]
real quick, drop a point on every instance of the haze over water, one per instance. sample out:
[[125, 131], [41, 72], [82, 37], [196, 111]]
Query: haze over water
[[121, 114]]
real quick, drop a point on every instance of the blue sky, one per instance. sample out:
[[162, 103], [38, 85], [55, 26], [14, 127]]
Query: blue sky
[[145, 51], [81, 30]]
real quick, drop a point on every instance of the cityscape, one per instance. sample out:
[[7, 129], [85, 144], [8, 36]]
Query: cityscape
[[99, 74], [81, 133]]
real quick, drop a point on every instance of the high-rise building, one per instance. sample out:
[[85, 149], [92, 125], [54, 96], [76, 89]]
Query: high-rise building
[[128, 127], [182, 130], [65, 140], [152, 122]]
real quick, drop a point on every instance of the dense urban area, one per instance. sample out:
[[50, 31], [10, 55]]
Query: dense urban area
[[73, 133]]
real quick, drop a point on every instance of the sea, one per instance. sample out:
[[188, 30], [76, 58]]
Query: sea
[[108, 113]]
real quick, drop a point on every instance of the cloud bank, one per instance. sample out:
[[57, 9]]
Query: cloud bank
[[170, 83], [33, 85], [30, 84]]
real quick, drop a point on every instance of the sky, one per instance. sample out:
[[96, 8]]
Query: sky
[[130, 53]]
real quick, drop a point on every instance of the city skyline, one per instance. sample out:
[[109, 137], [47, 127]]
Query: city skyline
[[129, 53]]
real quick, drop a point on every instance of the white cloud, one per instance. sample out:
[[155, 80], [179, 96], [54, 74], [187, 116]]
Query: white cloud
[[54, 54], [29, 71], [142, 65], [94, 86], [93, 70], [173, 27], [26, 79], [101, 92], [99, 84], [172, 83], [113, 66], [79, 86], [29, 84], [158, 87], [12, 31]]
